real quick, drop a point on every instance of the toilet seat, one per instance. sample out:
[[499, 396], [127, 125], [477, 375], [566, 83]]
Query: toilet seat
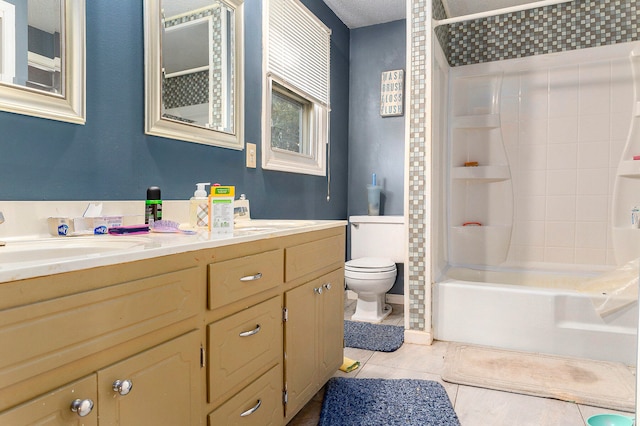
[[370, 265]]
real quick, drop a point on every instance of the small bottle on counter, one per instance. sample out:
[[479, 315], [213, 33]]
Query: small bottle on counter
[[199, 207], [153, 205]]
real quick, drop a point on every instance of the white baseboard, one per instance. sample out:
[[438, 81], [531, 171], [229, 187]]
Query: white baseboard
[[418, 337]]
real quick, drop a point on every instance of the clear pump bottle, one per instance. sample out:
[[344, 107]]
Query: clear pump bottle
[[199, 207]]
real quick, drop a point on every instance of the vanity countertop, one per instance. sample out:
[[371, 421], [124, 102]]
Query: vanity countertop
[[24, 258]]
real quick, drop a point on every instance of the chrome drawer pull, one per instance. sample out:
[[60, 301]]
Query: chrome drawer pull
[[252, 410], [250, 333], [252, 277], [82, 407]]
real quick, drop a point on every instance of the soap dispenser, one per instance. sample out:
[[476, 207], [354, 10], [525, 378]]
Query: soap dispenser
[[199, 207]]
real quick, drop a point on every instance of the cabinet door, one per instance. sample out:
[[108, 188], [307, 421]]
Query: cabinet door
[[166, 386], [54, 408], [314, 337], [301, 343], [332, 325]]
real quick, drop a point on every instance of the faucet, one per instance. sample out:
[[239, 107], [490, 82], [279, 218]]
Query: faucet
[[1, 221]]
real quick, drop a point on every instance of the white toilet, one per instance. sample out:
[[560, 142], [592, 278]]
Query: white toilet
[[377, 244]]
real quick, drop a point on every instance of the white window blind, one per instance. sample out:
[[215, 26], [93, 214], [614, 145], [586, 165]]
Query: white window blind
[[299, 49]]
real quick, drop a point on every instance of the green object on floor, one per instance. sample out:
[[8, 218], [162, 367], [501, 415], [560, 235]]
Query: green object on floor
[[610, 420], [348, 365]]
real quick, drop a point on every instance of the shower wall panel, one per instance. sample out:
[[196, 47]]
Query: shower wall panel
[[564, 120]]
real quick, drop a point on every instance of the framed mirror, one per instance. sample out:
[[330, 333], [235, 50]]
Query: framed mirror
[[42, 58], [194, 76]]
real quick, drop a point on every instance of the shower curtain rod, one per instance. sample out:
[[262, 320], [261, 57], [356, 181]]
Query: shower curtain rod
[[496, 12]]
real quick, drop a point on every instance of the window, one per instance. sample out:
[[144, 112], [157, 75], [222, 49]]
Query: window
[[296, 95], [289, 121]]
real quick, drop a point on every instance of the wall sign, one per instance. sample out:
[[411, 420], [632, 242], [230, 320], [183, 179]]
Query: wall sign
[[391, 93]]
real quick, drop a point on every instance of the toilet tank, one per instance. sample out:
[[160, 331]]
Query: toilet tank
[[378, 236]]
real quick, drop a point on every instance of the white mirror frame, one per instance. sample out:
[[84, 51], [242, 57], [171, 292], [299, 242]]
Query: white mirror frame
[[155, 124], [71, 107]]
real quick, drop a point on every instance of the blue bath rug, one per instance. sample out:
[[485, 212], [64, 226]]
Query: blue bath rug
[[371, 402], [373, 337]]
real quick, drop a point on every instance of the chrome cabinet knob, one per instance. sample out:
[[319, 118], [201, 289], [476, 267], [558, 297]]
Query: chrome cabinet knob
[[82, 407], [327, 286], [317, 290], [123, 387]]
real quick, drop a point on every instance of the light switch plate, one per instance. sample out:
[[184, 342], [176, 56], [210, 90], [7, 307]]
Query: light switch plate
[[251, 155]]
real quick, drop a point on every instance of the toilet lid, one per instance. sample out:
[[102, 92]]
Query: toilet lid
[[370, 264]]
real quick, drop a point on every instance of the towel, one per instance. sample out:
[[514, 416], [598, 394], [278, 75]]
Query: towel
[[349, 365]]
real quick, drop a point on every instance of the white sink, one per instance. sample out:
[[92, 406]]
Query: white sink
[[47, 249]]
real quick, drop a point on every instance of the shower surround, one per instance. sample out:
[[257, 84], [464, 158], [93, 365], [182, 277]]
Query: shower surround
[[562, 120], [571, 26], [553, 139]]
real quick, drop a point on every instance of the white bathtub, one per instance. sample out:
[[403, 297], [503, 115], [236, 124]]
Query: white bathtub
[[533, 312]]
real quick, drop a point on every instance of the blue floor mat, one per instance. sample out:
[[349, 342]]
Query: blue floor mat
[[371, 402], [373, 337]]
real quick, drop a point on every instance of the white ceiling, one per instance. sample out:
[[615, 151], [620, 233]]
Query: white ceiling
[[362, 13]]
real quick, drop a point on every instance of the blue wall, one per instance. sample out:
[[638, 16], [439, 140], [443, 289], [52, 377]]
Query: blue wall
[[110, 158], [376, 144]]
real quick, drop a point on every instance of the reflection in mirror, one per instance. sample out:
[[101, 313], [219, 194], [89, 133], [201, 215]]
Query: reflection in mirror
[[196, 93], [42, 58], [34, 31]]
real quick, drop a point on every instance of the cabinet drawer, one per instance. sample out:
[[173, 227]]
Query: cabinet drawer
[[260, 402], [306, 258], [54, 408], [43, 336], [236, 279], [243, 346]]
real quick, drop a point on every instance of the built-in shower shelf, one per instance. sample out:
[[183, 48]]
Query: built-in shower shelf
[[481, 173], [480, 121], [629, 168]]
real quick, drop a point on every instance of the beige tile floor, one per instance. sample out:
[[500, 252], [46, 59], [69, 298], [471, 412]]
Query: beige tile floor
[[474, 406]]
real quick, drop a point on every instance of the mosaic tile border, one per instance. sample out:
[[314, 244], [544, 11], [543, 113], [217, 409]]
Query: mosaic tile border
[[184, 90], [579, 24], [417, 269]]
